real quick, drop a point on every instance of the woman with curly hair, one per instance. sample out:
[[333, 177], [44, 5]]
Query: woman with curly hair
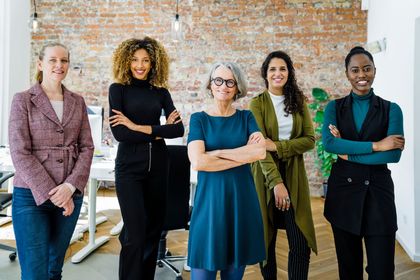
[[282, 186], [136, 101]]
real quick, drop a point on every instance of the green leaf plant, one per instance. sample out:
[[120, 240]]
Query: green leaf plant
[[325, 159]]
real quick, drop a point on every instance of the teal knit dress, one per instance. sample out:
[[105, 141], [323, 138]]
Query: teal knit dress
[[226, 224]]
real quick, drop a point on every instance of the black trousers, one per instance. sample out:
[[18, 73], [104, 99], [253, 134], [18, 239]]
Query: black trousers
[[141, 182], [299, 251], [380, 252]]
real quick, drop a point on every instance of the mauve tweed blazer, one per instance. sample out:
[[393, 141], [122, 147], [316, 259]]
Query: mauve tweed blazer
[[46, 152]]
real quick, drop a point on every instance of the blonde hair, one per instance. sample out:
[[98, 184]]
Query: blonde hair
[[159, 72], [38, 74]]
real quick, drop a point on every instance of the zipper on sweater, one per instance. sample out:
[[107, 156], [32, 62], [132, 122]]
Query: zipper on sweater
[[150, 156]]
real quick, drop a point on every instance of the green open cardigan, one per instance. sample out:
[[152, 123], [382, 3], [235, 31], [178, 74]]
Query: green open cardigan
[[267, 175]]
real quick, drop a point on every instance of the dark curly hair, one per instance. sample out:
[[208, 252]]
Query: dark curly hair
[[159, 72], [294, 97]]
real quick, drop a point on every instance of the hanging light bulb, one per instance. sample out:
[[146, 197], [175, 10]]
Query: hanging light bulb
[[33, 21], [176, 27], [177, 24]]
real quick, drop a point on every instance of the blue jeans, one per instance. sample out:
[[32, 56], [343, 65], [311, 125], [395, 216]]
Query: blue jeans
[[42, 234]]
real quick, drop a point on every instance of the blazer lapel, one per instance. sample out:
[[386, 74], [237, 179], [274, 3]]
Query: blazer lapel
[[69, 104], [41, 101]]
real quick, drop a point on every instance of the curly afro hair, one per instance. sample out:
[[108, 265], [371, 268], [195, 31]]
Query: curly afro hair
[[159, 73]]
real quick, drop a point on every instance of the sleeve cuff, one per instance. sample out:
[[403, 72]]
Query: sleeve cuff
[[70, 187], [274, 183], [282, 150]]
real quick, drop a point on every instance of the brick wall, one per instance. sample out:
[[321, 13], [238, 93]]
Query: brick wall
[[317, 34]]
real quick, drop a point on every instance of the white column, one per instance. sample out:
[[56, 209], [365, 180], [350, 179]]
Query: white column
[[14, 56], [365, 5], [4, 73], [402, 31], [417, 139]]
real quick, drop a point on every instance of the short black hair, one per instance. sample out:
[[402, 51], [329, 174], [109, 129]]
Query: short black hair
[[357, 50]]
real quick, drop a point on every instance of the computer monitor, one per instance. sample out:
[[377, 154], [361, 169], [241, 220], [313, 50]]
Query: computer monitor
[[96, 123]]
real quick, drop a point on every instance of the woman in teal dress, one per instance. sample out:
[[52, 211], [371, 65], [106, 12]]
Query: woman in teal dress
[[226, 231]]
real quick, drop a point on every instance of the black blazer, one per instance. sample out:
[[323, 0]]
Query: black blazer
[[360, 198]]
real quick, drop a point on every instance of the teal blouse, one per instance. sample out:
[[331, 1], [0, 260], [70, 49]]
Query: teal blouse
[[361, 151]]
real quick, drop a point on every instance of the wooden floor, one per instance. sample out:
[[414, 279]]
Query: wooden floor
[[323, 266]]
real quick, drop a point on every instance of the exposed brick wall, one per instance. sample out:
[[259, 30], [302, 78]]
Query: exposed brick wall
[[317, 34]]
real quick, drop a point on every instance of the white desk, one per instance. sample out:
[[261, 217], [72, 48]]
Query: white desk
[[6, 166], [101, 170]]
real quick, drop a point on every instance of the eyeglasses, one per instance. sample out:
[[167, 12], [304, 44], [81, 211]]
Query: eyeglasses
[[230, 83]]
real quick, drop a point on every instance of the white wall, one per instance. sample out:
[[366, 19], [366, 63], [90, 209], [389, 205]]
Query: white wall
[[14, 56], [398, 80], [416, 120]]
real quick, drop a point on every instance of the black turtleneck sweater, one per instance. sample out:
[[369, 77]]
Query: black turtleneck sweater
[[142, 103]]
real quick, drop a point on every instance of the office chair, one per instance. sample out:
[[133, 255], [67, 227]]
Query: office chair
[[6, 201], [177, 203]]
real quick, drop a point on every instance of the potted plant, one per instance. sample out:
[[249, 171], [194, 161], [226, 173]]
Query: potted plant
[[325, 159]]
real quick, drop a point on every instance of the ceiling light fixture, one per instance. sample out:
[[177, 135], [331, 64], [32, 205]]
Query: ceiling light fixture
[[176, 27], [33, 21]]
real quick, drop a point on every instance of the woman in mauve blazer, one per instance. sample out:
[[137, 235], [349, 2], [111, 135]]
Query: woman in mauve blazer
[[51, 148]]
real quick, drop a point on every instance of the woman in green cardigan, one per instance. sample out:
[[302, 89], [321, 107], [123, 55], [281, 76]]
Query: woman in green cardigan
[[282, 186]]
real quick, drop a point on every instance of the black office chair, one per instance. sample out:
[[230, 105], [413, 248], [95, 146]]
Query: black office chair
[[177, 206], [6, 201]]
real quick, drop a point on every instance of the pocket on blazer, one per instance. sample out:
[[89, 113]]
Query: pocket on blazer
[[42, 156], [343, 178]]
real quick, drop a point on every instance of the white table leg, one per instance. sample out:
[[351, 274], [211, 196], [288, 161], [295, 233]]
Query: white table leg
[[186, 267], [8, 219], [5, 220], [77, 235], [93, 243], [117, 228], [83, 228], [79, 230]]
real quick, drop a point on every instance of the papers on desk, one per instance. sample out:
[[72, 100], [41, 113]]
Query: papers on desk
[[6, 160]]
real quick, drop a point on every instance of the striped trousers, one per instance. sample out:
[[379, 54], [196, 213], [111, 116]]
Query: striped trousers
[[299, 251]]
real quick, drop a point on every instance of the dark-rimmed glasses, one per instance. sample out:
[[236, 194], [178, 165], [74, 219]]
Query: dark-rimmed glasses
[[230, 83]]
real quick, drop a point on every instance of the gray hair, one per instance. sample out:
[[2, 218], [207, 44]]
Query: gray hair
[[237, 74]]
